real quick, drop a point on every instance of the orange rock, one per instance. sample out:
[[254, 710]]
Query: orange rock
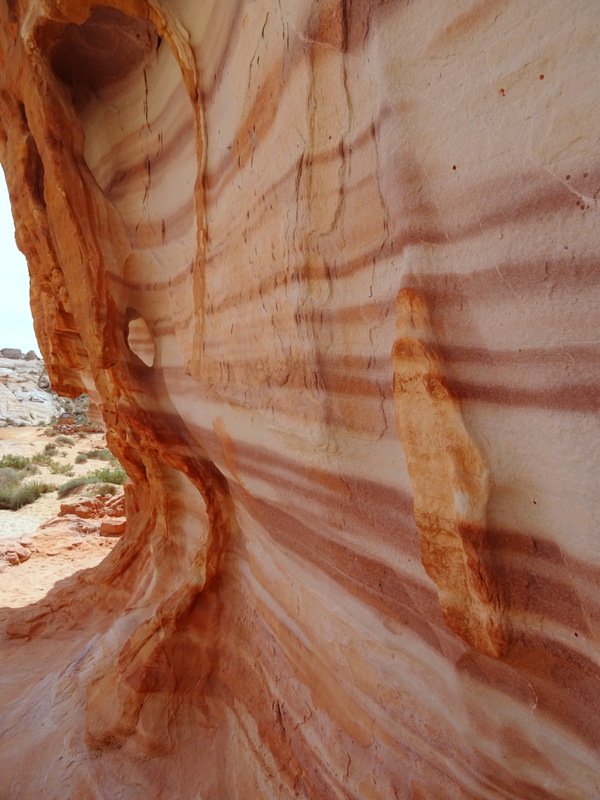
[[13, 553], [83, 507], [336, 296], [112, 527]]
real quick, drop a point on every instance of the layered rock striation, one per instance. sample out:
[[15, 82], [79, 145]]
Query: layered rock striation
[[27, 399], [330, 272], [25, 395]]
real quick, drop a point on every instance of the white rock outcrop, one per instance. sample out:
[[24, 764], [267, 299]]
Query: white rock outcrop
[[25, 396]]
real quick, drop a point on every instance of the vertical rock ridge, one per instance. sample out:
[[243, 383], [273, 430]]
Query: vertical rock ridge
[[450, 482]]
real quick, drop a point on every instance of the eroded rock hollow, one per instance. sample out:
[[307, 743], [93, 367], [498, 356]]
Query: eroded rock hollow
[[329, 270]]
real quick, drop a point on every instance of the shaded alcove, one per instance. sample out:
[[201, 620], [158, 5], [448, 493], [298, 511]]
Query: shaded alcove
[[104, 49], [139, 127]]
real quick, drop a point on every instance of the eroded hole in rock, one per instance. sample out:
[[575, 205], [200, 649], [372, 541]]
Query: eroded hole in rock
[[101, 51], [140, 339]]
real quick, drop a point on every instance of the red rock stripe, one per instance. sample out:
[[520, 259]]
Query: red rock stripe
[[177, 279], [400, 597], [581, 398], [116, 184], [446, 289]]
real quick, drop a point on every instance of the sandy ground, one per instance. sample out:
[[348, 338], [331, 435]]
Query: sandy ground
[[56, 553], [55, 556]]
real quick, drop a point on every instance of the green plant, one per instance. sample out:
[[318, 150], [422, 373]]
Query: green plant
[[103, 488], [64, 440], [102, 455], [60, 469], [74, 483], [43, 459], [109, 475], [29, 492], [104, 476], [80, 458], [10, 476], [23, 494], [16, 462], [6, 493]]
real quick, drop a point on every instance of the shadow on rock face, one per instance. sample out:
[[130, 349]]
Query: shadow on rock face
[[104, 49]]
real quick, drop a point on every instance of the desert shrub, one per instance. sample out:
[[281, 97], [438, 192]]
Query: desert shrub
[[64, 440], [10, 476], [11, 486], [23, 494], [80, 458], [14, 493], [28, 493], [103, 488], [105, 455], [74, 483], [109, 475], [6, 493], [43, 459], [102, 455], [107, 488], [16, 462], [105, 476], [60, 469]]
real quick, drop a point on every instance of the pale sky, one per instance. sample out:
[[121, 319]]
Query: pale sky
[[16, 326]]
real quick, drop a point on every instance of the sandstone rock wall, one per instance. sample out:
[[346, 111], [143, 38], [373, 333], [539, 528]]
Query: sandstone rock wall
[[330, 271]]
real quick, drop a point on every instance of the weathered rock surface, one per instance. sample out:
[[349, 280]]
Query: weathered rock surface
[[12, 352], [23, 396], [103, 515], [13, 552], [330, 272], [26, 396], [99, 506]]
